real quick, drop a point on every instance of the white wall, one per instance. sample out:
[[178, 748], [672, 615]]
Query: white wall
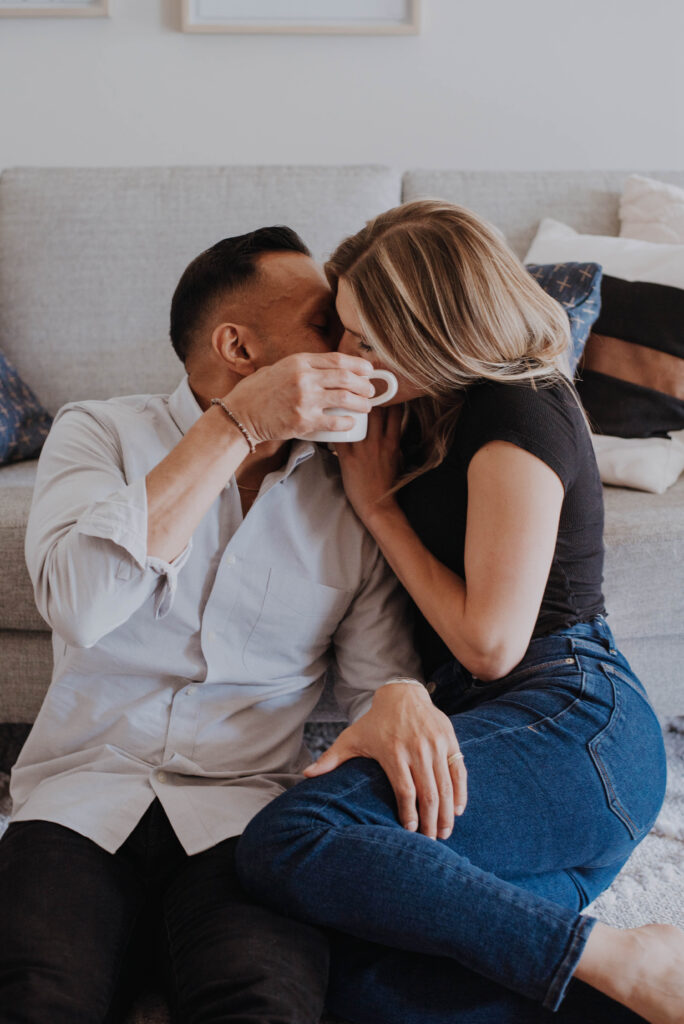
[[488, 84]]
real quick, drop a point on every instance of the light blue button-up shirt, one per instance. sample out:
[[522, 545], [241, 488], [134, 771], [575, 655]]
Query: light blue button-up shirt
[[191, 681]]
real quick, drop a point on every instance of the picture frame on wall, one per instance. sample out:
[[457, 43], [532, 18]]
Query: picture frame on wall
[[320, 17], [54, 8]]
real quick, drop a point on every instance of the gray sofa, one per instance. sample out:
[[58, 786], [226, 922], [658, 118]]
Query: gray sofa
[[89, 259], [88, 262]]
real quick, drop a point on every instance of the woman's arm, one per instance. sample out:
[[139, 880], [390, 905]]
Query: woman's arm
[[486, 620], [514, 503]]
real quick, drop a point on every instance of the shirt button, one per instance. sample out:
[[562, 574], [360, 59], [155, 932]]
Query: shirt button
[[431, 687], [161, 776], [190, 690], [230, 559]]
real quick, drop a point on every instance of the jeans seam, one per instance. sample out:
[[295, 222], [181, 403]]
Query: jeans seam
[[614, 801]]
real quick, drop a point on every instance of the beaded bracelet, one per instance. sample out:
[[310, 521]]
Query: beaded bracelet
[[243, 430]]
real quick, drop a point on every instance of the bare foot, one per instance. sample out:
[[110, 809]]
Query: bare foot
[[657, 973], [642, 968]]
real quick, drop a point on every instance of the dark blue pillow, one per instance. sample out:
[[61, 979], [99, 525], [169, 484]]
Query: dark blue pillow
[[24, 423], [577, 286]]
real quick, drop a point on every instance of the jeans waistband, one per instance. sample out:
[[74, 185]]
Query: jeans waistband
[[593, 640], [593, 637]]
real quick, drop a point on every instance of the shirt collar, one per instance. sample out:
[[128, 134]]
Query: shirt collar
[[184, 407], [185, 411]]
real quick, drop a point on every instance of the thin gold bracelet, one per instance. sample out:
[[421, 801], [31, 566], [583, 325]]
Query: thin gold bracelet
[[243, 430]]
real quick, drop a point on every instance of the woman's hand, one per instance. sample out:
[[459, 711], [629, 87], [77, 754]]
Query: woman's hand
[[416, 746], [371, 467]]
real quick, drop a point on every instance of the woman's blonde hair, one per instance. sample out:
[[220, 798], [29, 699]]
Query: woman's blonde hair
[[445, 303]]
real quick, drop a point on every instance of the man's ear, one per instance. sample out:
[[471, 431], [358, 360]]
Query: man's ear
[[233, 345]]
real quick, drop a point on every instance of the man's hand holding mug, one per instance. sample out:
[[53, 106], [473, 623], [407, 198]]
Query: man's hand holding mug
[[323, 396]]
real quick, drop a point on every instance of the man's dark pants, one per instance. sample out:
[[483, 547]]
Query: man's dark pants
[[79, 926]]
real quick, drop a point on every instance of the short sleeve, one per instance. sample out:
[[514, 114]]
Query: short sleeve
[[543, 420]]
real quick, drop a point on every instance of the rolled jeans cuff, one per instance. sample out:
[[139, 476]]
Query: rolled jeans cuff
[[568, 965]]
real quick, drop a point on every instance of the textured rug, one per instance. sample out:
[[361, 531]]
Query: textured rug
[[650, 887]]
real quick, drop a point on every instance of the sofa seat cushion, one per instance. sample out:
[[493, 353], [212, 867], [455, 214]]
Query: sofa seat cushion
[[19, 474], [644, 539], [25, 673], [17, 607]]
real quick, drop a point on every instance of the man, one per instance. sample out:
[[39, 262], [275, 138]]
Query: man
[[197, 574]]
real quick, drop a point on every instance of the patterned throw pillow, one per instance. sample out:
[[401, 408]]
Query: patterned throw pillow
[[24, 423], [577, 286]]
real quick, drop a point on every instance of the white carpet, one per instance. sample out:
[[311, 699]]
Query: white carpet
[[650, 887]]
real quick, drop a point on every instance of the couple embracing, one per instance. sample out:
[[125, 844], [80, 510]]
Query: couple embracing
[[202, 561]]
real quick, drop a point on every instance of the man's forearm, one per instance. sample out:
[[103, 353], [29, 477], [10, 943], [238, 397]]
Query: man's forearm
[[183, 486]]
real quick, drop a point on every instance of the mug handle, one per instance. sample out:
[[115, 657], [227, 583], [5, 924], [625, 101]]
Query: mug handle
[[392, 386]]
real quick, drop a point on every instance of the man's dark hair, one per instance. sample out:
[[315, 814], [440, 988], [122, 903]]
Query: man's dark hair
[[225, 266]]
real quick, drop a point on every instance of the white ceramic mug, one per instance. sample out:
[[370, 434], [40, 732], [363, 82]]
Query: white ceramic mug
[[358, 431]]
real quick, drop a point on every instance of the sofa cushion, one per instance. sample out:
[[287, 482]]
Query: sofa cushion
[[17, 606], [651, 210], [626, 258], [90, 258], [515, 201], [644, 539], [24, 423], [577, 287], [19, 474], [25, 673], [638, 345], [646, 463]]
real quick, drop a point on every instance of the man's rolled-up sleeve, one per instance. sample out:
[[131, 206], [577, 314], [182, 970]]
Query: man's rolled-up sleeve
[[86, 541], [374, 642]]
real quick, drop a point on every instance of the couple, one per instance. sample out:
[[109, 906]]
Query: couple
[[201, 566]]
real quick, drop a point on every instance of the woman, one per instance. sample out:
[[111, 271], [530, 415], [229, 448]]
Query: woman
[[494, 526]]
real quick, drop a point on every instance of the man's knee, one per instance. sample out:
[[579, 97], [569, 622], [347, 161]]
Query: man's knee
[[65, 922]]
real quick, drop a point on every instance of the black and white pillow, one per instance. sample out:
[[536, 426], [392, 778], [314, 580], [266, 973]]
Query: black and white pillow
[[631, 377]]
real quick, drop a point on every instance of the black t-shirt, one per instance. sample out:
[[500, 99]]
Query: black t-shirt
[[546, 421]]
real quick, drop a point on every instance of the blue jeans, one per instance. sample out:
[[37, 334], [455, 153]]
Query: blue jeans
[[566, 772]]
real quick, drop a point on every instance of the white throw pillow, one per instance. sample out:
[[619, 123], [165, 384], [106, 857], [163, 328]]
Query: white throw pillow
[[627, 258], [652, 210], [644, 463]]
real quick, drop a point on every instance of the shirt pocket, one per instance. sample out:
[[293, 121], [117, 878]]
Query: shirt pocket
[[294, 628]]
